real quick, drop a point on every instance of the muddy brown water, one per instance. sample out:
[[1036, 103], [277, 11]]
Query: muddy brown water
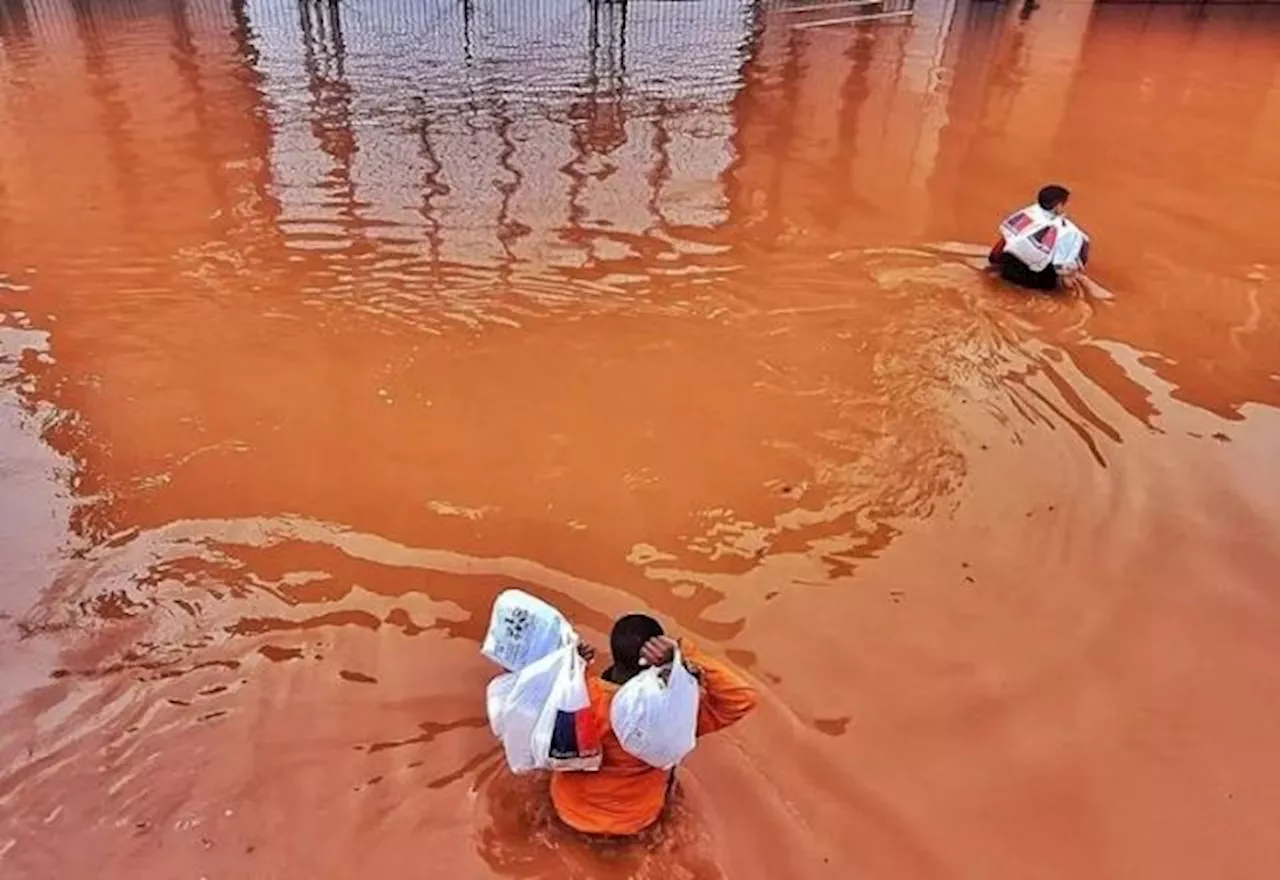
[[322, 323]]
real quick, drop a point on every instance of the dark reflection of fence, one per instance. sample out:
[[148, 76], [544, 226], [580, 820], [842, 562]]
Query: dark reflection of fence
[[486, 17], [13, 17], [499, 133], [567, 131]]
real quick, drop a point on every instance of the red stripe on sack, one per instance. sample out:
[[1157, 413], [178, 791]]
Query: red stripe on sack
[[1045, 239], [588, 732], [1018, 222]]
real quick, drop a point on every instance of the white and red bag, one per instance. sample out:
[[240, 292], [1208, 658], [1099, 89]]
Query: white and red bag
[[1039, 238], [523, 629], [541, 711]]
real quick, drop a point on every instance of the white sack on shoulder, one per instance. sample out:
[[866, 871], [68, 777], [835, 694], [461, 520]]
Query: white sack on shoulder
[[525, 708], [567, 735], [522, 630], [526, 701]]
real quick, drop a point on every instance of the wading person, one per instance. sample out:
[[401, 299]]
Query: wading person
[[1039, 248], [625, 796]]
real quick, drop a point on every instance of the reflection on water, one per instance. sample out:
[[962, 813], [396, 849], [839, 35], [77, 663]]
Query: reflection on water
[[321, 322]]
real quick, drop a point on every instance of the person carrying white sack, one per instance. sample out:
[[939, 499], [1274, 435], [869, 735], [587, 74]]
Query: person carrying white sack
[[626, 795], [1039, 248]]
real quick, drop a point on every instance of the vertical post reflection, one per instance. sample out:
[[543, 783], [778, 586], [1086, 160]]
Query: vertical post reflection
[[764, 133], [660, 174], [113, 111], [597, 120], [468, 16], [324, 58], [509, 231], [433, 186], [14, 21], [854, 92], [185, 57], [250, 89]]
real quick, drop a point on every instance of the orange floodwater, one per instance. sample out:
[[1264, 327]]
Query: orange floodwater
[[320, 323]]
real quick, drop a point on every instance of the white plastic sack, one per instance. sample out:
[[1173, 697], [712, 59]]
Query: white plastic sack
[[522, 630], [543, 714], [567, 732], [1068, 253], [495, 700], [514, 714], [1039, 238], [656, 720]]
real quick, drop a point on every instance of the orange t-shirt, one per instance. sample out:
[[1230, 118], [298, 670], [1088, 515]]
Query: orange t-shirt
[[626, 795]]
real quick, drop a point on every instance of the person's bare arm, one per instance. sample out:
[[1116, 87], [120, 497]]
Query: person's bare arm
[[1084, 286]]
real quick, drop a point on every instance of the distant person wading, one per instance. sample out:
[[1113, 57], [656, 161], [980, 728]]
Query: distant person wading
[[1039, 248]]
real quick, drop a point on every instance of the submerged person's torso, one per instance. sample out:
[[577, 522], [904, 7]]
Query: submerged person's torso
[[624, 796]]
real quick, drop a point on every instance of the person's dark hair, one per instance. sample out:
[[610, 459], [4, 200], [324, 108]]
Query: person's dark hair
[[628, 637], [1053, 196]]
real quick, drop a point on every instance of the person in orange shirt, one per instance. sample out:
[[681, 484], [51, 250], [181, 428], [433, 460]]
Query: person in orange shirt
[[625, 796]]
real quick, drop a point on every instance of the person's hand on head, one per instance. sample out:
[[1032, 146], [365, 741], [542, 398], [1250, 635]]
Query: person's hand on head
[[658, 651], [587, 652]]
